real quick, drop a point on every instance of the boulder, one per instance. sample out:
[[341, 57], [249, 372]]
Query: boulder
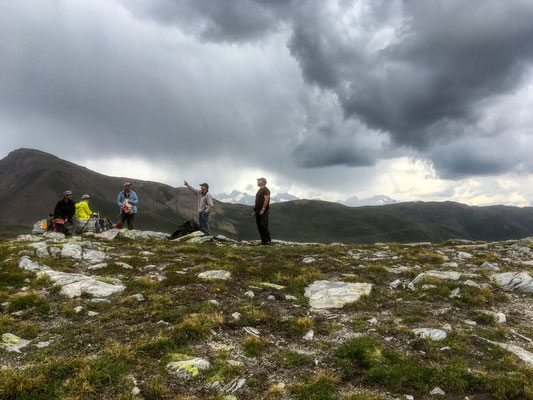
[[57, 236], [329, 294], [514, 281], [110, 234], [39, 227], [94, 256], [189, 236], [444, 275]]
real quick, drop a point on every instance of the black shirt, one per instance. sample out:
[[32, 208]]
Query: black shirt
[[65, 210], [260, 198]]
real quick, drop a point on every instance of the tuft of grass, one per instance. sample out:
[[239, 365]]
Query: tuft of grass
[[320, 387], [27, 300], [291, 359], [195, 326], [300, 326], [253, 345]]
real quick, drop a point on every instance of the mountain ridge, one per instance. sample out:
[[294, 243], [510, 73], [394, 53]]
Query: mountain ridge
[[32, 181]]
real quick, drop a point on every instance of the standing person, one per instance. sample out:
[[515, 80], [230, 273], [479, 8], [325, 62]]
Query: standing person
[[205, 202], [127, 201], [262, 205], [66, 209]]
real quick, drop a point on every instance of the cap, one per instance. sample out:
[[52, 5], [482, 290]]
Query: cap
[[204, 184], [85, 196], [262, 179], [67, 192], [127, 183]]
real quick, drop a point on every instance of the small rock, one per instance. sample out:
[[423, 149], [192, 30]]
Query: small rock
[[12, 343], [188, 368], [372, 321], [92, 313], [251, 331], [249, 294], [271, 297], [437, 391], [42, 345], [309, 335], [463, 255], [455, 293], [78, 309], [290, 297], [97, 266], [395, 284], [138, 297], [72, 251], [429, 333], [470, 322], [308, 260], [471, 283], [215, 274], [499, 317], [215, 302], [236, 316]]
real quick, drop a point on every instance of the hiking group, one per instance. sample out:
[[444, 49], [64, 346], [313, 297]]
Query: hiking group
[[69, 216]]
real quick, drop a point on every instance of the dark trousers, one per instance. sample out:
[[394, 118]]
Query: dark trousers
[[204, 222], [129, 218], [262, 226]]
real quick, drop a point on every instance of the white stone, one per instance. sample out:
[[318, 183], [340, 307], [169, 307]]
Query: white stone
[[430, 333], [499, 317], [72, 251], [29, 265], [447, 327], [395, 284], [42, 345], [94, 256], [489, 266], [249, 294], [470, 322], [28, 238], [251, 331], [57, 236], [215, 274], [290, 297], [437, 391], [518, 351], [138, 297], [78, 309], [461, 255], [271, 297], [199, 240], [328, 294], [110, 234], [514, 281], [92, 313], [13, 343], [236, 316], [189, 236], [215, 302], [272, 285], [309, 335], [189, 368], [308, 260], [455, 293], [156, 235], [123, 265], [97, 266], [444, 275], [469, 282]]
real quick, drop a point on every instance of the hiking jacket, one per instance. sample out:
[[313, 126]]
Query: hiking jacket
[[83, 211], [205, 201], [132, 196], [65, 210]]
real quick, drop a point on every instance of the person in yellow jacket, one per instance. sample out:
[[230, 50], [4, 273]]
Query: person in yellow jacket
[[82, 208]]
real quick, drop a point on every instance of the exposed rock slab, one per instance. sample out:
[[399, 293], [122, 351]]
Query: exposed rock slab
[[72, 251], [521, 353], [430, 333], [329, 294], [74, 285], [514, 281], [215, 274], [444, 275]]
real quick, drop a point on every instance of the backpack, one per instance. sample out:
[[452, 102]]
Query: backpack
[[188, 227], [58, 225], [102, 225]]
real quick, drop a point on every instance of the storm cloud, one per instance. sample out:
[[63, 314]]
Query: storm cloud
[[318, 90]]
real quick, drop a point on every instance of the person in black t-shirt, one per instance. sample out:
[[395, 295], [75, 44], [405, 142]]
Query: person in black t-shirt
[[66, 209], [262, 205]]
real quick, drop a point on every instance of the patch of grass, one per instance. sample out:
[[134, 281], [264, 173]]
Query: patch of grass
[[27, 300], [361, 396], [156, 389], [291, 359], [319, 387], [195, 326], [222, 371], [253, 345], [300, 326], [25, 330]]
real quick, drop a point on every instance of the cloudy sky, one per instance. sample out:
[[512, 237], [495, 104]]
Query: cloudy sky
[[415, 99]]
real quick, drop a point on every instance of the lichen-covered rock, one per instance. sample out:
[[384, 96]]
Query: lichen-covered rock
[[110, 234], [444, 275], [328, 294], [188, 368], [10, 342], [215, 274], [514, 281], [94, 256]]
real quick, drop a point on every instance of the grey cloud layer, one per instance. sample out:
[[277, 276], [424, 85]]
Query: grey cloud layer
[[313, 84]]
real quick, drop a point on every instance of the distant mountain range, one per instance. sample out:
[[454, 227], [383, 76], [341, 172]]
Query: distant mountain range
[[236, 197], [31, 182]]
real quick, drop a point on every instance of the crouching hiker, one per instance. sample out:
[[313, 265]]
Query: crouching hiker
[[127, 201], [82, 208], [205, 202], [65, 214]]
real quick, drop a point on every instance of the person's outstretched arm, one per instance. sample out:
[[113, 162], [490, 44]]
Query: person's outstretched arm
[[195, 191]]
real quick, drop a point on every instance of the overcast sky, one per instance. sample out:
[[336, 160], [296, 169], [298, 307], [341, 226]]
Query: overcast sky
[[416, 99]]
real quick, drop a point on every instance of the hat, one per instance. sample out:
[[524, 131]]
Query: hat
[[67, 192], [204, 184], [85, 196], [262, 179], [127, 183]]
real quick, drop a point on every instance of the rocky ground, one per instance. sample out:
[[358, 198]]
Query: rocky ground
[[132, 315]]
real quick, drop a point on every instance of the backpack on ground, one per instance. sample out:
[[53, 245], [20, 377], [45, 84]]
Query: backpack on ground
[[188, 227], [58, 225], [102, 224]]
